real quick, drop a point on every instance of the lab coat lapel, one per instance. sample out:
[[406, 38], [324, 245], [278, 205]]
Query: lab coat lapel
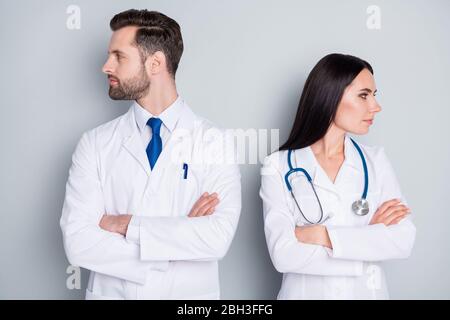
[[305, 159], [132, 142], [351, 175], [322, 181], [350, 171]]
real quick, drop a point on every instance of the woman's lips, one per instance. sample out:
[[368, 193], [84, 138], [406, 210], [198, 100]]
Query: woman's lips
[[369, 122]]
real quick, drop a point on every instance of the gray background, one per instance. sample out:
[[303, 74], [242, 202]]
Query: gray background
[[244, 66]]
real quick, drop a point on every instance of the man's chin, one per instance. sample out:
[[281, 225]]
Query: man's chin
[[117, 95], [116, 98]]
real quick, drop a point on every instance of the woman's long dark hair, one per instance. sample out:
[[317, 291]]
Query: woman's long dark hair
[[320, 98]]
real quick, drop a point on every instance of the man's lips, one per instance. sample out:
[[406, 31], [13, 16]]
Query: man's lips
[[369, 121], [113, 81]]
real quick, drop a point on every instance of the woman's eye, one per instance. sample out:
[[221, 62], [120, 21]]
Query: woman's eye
[[363, 96]]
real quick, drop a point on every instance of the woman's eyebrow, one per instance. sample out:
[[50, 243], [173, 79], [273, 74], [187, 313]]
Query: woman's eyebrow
[[368, 90]]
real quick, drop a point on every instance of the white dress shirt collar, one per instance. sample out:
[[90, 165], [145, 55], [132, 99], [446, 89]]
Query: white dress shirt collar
[[169, 116]]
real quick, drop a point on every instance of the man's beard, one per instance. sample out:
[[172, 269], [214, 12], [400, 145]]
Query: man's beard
[[130, 89]]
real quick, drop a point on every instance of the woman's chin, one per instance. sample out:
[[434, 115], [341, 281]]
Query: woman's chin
[[359, 131]]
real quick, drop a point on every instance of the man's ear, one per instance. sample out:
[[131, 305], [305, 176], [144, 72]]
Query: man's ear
[[156, 63]]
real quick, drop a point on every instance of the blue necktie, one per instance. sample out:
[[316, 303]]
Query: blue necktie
[[155, 145]]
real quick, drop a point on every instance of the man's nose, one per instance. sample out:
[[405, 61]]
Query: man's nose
[[107, 68]]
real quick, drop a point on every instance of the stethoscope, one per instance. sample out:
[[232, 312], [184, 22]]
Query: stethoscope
[[360, 207]]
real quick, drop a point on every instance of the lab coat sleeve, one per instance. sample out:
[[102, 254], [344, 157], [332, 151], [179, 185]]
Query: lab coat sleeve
[[287, 253], [376, 242], [197, 238], [85, 243]]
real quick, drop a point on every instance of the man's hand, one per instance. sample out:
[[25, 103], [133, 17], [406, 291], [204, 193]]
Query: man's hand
[[313, 234], [117, 224], [390, 212], [205, 205]]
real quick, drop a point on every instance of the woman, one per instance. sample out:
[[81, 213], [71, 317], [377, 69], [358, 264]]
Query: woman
[[327, 244]]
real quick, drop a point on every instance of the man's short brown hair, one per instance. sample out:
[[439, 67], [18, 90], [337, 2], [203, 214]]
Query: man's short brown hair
[[156, 32]]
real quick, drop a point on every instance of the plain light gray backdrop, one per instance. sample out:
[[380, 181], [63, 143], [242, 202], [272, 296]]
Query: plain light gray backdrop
[[244, 66]]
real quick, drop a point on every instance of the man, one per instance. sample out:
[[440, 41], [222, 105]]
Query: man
[[139, 212]]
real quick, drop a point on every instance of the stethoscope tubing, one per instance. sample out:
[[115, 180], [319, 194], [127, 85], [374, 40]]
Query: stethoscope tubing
[[308, 177]]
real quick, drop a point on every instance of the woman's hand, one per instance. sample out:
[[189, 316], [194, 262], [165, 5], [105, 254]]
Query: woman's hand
[[390, 212], [313, 234]]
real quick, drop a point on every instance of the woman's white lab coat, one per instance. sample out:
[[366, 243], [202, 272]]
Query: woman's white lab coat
[[351, 270], [169, 256]]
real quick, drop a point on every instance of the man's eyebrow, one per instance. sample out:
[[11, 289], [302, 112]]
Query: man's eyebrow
[[116, 52], [368, 90]]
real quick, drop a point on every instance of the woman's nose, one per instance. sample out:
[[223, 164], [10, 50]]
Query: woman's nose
[[375, 107]]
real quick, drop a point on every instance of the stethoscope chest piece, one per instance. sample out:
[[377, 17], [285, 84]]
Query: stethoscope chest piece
[[360, 207]]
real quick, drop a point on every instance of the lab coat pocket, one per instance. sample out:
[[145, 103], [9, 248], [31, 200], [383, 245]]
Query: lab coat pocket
[[188, 182]]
